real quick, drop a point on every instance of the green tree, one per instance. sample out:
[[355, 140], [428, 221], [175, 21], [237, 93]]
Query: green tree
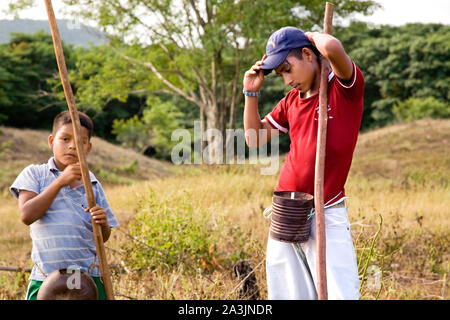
[[200, 48], [27, 65], [399, 63], [153, 129], [126, 106], [132, 133]]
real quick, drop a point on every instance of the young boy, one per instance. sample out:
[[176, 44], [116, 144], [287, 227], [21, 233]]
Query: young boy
[[293, 54], [52, 201]]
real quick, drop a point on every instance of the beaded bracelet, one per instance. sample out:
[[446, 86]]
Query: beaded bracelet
[[250, 94]]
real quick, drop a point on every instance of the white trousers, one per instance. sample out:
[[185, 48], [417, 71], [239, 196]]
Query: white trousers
[[288, 276]]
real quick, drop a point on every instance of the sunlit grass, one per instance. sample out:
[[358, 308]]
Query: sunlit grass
[[406, 183]]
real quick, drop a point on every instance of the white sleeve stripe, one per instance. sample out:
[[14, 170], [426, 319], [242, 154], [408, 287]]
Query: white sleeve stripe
[[330, 76], [276, 125], [354, 78]]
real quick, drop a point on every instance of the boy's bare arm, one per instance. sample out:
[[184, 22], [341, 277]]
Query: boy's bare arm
[[33, 206], [106, 232], [253, 81], [332, 49]]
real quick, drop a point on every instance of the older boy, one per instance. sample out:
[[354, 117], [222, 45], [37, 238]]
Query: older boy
[[293, 54], [52, 201]]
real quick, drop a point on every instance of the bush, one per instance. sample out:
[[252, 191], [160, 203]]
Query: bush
[[171, 233], [153, 129], [418, 108], [132, 133]]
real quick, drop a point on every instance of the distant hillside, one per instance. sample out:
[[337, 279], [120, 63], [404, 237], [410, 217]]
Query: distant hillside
[[418, 150], [71, 33], [413, 151], [110, 163]]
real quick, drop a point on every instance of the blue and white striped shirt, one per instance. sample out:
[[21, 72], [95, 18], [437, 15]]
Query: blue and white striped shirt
[[63, 236]]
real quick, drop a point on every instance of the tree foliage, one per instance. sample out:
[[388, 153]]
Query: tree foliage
[[203, 47], [169, 63], [418, 108], [399, 63], [152, 130], [27, 67]]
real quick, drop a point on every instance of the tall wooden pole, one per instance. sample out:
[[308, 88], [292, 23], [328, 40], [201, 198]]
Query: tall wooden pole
[[320, 165], [98, 237]]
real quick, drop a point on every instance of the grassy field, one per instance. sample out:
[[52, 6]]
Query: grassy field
[[184, 228]]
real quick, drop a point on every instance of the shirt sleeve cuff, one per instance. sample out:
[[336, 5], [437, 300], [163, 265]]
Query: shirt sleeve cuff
[[275, 124], [353, 80]]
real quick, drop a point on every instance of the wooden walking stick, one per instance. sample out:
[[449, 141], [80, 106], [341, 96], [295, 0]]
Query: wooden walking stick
[[320, 165], [98, 237]]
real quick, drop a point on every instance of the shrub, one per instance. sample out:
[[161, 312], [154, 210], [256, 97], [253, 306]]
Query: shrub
[[171, 232], [417, 108]]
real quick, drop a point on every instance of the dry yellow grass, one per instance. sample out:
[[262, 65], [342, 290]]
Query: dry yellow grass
[[236, 197], [401, 173]]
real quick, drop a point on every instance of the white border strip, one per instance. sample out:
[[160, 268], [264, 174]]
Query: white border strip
[[354, 78], [276, 125]]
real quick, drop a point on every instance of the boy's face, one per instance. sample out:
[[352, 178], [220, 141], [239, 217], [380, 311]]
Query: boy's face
[[298, 73], [63, 145]]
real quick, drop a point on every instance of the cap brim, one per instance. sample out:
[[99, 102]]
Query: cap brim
[[273, 61]]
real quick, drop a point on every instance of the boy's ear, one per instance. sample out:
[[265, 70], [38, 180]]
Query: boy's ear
[[89, 148], [50, 141], [307, 54]]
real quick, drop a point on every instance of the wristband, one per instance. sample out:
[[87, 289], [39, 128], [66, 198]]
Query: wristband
[[250, 94]]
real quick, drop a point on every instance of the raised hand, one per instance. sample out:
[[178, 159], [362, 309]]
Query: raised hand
[[70, 174], [254, 77]]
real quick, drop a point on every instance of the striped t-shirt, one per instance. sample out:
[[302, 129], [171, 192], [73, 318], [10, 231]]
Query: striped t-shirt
[[63, 236]]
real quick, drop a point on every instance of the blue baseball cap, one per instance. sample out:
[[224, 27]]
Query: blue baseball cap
[[279, 45]]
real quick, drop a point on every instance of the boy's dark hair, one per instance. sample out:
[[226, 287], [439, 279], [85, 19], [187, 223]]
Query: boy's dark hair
[[297, 52], [64, 118]]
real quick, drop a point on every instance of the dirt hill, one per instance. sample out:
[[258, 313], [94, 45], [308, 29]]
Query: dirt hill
[[110, 163], [418, 151]]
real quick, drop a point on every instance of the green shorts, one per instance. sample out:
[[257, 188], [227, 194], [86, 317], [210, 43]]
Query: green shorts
[[33, 289]]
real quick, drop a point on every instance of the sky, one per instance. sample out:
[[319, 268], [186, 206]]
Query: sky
[[400, 12], [394, 12]]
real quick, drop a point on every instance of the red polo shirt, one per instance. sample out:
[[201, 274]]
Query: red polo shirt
[[300, 118]]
